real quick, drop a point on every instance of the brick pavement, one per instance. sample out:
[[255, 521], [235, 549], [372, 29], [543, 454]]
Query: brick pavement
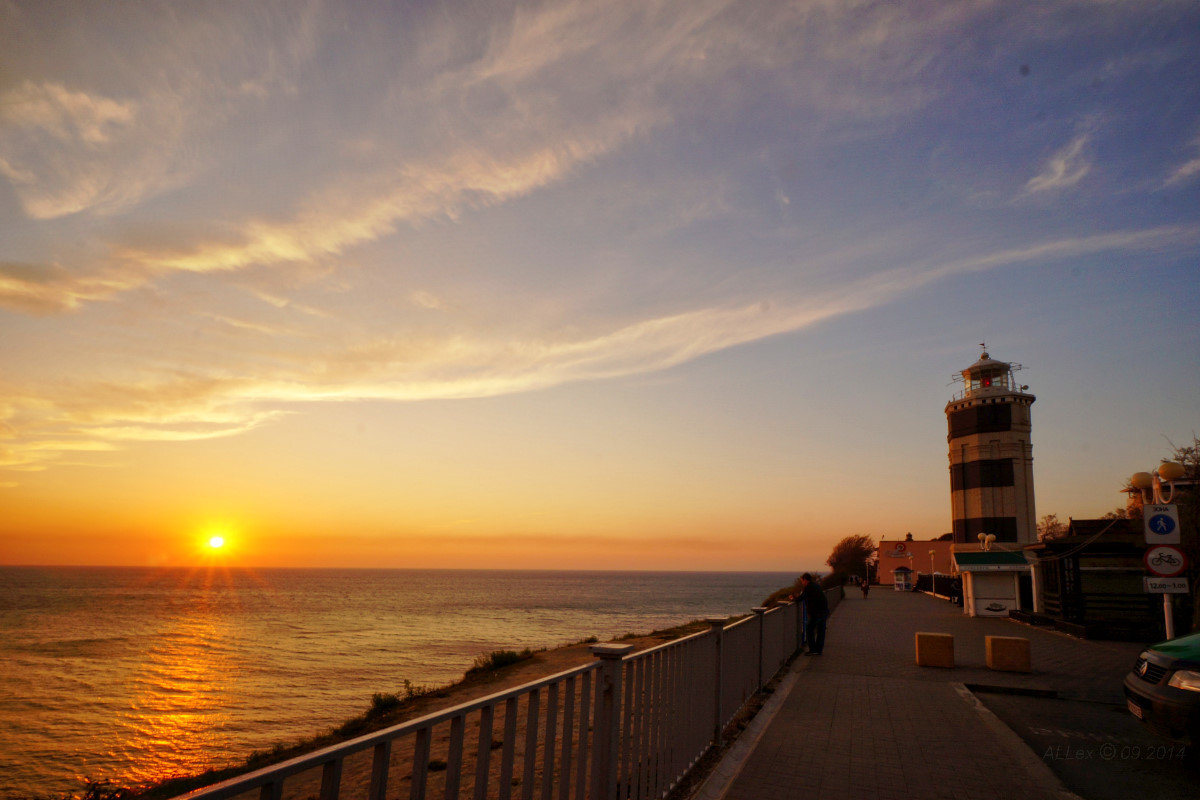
[[863, 720]]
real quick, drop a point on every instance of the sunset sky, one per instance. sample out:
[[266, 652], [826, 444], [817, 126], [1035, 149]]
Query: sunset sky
[[615, 284]]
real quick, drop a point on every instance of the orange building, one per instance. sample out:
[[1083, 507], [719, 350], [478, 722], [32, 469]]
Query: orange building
[[915, 555]]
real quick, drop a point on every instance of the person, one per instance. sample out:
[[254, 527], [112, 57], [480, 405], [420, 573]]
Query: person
[[816, 611], [866, 587]]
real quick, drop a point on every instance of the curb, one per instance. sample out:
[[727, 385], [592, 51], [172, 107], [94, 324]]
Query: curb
[[1036, 770], [725, 772]]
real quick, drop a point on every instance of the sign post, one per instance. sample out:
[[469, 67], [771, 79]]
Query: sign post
[[1165, 564]]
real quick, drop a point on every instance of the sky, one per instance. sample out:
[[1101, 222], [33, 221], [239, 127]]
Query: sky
[[592, 285]]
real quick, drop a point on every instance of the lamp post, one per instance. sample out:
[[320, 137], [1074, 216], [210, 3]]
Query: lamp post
[[932, 582], [1150, 486]]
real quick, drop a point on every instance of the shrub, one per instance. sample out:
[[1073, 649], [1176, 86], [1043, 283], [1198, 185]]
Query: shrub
[[498, 659], [382, 703]]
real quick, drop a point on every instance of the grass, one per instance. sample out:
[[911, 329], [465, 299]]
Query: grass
[[498, 659]]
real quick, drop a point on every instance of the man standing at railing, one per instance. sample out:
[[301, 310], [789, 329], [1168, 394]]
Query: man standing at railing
[[816, 611]]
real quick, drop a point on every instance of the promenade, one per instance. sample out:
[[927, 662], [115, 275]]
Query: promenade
[[862, 720]]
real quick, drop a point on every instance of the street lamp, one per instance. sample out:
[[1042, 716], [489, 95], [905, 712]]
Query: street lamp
[[1150, 486], [932, 582]]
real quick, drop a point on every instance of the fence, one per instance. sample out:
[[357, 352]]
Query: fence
[[628, 726], [942, 584]]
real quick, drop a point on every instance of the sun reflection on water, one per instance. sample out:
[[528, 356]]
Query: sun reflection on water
[[181, 705]]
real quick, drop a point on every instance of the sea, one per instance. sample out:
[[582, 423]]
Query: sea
[[134, 675]]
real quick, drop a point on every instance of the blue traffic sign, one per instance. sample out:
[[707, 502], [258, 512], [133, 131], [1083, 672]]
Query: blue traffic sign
[[1161, 523]]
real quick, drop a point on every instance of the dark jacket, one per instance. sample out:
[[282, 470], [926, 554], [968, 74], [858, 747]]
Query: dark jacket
[[815, 604]]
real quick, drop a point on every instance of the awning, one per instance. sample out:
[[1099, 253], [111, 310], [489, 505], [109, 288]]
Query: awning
[[990, 561]]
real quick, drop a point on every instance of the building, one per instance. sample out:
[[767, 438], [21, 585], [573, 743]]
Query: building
[[1090, 582], [991, 456], [911, 554], [991, 487]]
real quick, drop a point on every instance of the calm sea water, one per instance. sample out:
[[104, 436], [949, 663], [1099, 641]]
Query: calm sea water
[[137, 674]]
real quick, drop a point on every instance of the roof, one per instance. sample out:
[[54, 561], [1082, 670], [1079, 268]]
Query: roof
[[1094, 527], [986, 362], [990, 561]]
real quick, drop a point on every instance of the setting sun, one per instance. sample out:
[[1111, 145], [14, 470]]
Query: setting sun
[[216, 542]]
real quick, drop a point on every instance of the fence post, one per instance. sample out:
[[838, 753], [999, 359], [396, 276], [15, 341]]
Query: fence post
[[717, 627], [607, 726], [799, 626], [759, 611]]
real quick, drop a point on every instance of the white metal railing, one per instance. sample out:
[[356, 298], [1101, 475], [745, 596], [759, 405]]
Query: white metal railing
[[628, 725]]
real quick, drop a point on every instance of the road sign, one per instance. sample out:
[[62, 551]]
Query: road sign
[[1161, 524], [1165, 561], [1165, 585]]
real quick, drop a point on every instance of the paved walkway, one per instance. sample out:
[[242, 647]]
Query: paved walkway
[[864, 721]]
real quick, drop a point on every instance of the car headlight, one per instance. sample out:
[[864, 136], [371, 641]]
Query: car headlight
[[1186, 679]]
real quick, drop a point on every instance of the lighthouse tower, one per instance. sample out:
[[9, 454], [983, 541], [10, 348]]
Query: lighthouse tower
[[991, 457]]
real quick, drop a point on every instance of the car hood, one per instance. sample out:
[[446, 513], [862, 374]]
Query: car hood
[[1185, 647]]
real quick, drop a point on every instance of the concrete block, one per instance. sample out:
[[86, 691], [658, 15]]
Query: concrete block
[[1008, 653], [935, 649]]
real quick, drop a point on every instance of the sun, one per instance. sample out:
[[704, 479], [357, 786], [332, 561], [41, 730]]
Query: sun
[[216, 542]]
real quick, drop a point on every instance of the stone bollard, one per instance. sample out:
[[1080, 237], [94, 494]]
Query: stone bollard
[[935, 649], [1008, 653]]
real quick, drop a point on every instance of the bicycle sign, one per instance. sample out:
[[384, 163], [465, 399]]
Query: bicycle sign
[[1165, 561], [1161, 524]]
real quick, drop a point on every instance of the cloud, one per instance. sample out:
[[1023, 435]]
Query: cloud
[[74, 144], [41, 425], [1064, 169], [50, 109], [488, 108], [52, 288], [66, 150], [1187, 169], [342, 216], [1184, 171], [428, 300]]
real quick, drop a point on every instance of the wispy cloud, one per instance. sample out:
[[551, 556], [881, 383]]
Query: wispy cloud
[[73, 144], [40, 427], [66, 150], [549, 90], [1188, 169], [52, 288], [1067, 167]]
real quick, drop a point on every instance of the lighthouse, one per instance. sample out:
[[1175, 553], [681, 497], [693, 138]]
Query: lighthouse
[[991, 457]]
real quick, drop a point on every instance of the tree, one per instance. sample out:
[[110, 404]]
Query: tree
[[849, 556], [1050, 528]]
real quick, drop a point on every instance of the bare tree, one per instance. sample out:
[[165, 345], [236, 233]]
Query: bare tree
[[1050, 528]]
